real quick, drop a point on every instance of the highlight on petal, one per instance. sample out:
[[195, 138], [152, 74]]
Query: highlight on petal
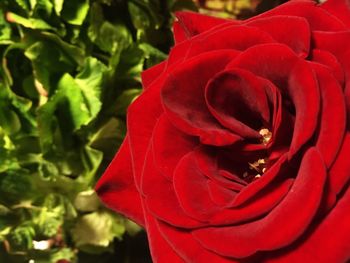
[[116, 188], [283, 225]]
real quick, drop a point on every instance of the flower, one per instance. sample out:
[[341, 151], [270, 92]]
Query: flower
[[237, 150]]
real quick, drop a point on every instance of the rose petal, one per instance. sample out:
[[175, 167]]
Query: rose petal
[[290, 30], [191, 187], [280, 167], [151, 74], [189, 24], [339, 173], [183, 98], [318, 18], [328, 59], [160, 249], [294, 77], [220, 195], [169, 146], [188, 248], [116, 188], [329, 242], [340, 9], [325, 40], [238, 101], [333, 115], [160, 198], [244, 37], [266, 234]]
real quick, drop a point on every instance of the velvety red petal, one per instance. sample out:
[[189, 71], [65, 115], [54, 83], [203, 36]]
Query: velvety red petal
[[169, 146], [339, 174], [340, 9], [191, 187], [329, 242], [258, 207], [294, 77], [243, 38], [256, 186], [238, 101], [189, 248], [333, 115], [116, 188], [325, 40], [328, 59], [318, 18], [290, 30], [189, 24], [283, 225], [160, 249], [220, 195], [160, 198], [184, 102], [151, 74]]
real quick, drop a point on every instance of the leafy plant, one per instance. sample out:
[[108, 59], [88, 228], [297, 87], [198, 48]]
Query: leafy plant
[[69, 69]]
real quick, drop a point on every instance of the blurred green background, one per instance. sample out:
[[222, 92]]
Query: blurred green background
[[69, 69]]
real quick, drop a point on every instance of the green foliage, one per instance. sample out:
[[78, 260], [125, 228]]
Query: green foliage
[[69, 69]]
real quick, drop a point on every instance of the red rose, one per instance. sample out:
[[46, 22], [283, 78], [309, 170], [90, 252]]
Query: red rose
[[237, 150]]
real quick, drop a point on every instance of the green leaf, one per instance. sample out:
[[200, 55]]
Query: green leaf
[[32, 23], [48, 61], [58, 5], [125, 99], [107, 36], [75, 11], [75, 103], [87, 201], [96, 229], [108, 137], [5, 30], [21, 237], [9, 120]]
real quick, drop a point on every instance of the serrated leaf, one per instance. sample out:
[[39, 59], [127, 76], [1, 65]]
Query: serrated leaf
[[107, 36], [75, 103], [48, 61]]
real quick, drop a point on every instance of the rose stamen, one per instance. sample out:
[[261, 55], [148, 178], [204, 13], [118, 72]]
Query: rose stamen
[[266, 136]]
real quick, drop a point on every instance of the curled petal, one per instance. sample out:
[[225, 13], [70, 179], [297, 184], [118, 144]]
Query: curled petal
[[331, 237], [238, 101], [296, 80], [243, 240], [184, 102]]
